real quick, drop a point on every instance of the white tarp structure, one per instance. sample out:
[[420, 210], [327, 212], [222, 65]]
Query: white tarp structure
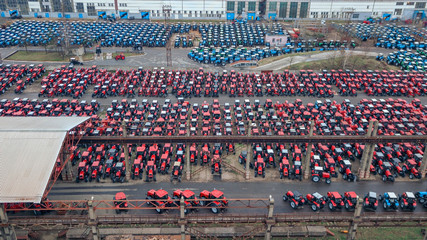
[[29, 147]]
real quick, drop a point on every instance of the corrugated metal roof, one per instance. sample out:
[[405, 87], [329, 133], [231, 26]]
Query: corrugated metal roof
[[40, 124], [29, 148]]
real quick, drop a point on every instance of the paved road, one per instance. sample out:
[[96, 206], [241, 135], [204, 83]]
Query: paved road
[[102, 191], [156, 57]]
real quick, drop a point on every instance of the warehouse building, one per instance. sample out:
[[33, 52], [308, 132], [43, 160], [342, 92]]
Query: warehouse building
[[221, 9]]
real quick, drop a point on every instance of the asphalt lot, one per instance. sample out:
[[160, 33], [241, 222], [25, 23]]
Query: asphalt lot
[[156, 58], [106, 191]]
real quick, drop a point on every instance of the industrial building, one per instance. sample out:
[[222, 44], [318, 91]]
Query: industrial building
[[220, 9]]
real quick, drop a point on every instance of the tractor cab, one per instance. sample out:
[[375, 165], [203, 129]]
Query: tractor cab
[[120, 202], [370, 201]]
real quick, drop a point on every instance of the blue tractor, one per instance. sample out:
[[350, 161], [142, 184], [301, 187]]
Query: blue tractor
[[390, 201], [422, 198]]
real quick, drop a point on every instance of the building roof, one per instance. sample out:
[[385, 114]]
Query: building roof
[[29, 147]]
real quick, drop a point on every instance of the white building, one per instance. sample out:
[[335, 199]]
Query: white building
[[223, 9]]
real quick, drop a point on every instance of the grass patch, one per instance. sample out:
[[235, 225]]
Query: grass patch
[[273, 59], [353, 62], [37, 56], [127, 54], [396, 233], [43, 56]]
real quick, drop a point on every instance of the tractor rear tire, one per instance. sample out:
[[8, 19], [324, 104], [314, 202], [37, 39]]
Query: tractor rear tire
[[315, 179], [328, 181], [285, 198], [314, 208], [331, 206], [215, 210], [293, 205], [385, 205]]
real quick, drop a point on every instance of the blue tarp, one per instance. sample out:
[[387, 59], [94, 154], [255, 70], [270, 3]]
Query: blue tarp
[[230, 16]]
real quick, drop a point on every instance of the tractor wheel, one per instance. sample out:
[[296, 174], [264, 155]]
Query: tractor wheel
[[391, 178], [285, 198], [203, 201], [411, 176], [315, 179], [158, 210], [77, 179], [344, 176], [328, 181], [293, 205], [86, 179], [140, 175], [347, 206], [401, 204], [179, 179], [385, 205], [133, 176], [186, 211], [281, 175], [422, 200], [331, 206], [114, 179], [314, 207], [263, 175], [340, 169], [300, 177], [384, 178], [97, 178], [256, 174], [122, 179], [215, 210]]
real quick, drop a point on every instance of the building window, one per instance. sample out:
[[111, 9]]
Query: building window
[[397, 11], [272, 7], [91, 10], [251, 6], [367, 7], [80, 8], [293, 10], [111, 4], [324, 14], [123, 4], [90, 4], [356, 15], [230, 6], [303, 10], [410, 3], [283, 8], [399, 3], [420, 5], [314, 14], [240, 7], [101, 4]]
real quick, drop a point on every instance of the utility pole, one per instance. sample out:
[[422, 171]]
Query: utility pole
[[167, 11]]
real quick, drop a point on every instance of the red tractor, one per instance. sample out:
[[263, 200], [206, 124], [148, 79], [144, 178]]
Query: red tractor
[[296, 200], [330, 166], [150, 171], [83, 172], [284, 168], [296, 171], [120, 203], [121, 56], [119, 173], [215, 200], [350, 201], [316, 201], [137, 168], [108, 168], [411, 169], [193, 154], [205, 157], [335, 201], [317, 174], [190, 199], [384, 169], [216, 165], [176, 171], [96, 171], [164, 163], [259, 167], [160, 200], [345, 170]]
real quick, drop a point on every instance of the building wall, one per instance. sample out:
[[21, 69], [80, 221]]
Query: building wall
[[214, 9]]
